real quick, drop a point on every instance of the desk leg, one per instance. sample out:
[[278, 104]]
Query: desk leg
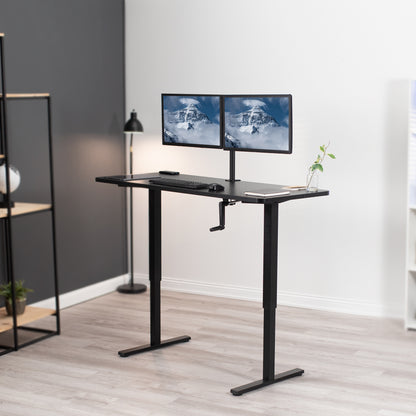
[[155, 277], [271, 217]]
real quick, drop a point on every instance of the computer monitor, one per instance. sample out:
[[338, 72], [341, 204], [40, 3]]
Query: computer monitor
[[258, 123], [191, 120]]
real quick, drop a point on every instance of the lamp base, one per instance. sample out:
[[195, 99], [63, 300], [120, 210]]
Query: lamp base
[[132, 288]]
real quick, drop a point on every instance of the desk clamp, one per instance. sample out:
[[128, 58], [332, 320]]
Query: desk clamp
[[222, 205]]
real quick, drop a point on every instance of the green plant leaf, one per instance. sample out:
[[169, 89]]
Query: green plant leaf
[[331, 156], [318, 166], [19, 290], [322, 148]]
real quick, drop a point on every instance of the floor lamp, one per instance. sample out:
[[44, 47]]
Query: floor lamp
[[132, 127]]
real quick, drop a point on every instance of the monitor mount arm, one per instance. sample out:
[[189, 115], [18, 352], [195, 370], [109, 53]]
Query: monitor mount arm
[[222, 205]]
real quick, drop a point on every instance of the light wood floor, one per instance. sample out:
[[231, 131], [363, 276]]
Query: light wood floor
[[353, 365]]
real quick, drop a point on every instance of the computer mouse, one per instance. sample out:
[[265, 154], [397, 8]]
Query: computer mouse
[[216, 187]]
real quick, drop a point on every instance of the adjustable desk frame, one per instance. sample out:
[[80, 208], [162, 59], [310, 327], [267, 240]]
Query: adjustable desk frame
[[235, 191]]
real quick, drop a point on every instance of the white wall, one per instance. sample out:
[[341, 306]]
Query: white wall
[[346, 63]]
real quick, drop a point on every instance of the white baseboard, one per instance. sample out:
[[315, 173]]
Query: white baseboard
[[350, 306], [85, 293], [209, 289], [339, 305]]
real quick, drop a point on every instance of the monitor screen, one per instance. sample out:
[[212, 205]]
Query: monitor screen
[[191, 120], [259, 123]]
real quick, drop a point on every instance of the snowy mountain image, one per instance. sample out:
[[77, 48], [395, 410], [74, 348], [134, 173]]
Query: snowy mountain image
[[257, 123], [192, 120]]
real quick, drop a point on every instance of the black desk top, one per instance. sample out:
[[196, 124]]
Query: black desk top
[[232, 190]]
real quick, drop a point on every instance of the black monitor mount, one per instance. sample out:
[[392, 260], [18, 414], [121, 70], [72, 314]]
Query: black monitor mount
[[232, 167], [224, 203]]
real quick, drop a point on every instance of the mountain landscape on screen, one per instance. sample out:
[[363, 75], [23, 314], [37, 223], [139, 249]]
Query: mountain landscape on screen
[[191, 120], [256, 124]]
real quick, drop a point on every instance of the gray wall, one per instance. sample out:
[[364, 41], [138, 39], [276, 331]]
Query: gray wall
[[73, 49]]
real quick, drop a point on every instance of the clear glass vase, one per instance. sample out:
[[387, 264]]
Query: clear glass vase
[[312, 180]]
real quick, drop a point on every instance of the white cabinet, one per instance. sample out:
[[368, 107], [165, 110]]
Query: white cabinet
[[410, 318]]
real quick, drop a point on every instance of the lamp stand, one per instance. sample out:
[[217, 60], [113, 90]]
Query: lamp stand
[[131, 287]]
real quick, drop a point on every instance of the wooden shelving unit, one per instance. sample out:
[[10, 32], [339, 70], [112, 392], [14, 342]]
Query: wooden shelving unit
[[37, 95], [16, 323], [31, 314], [24, 208]]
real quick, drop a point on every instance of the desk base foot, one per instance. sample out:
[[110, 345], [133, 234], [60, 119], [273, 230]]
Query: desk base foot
[[149, 347], [238, 391]]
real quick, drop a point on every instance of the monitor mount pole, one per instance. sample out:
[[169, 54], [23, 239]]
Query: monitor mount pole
[[232, 167]]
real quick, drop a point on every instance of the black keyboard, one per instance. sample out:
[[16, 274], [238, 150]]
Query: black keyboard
[[179, 183]]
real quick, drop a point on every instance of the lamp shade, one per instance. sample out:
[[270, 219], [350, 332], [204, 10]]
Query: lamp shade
[[133, 125]]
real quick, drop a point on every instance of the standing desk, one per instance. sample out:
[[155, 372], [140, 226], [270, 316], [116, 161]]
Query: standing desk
[[234, 191]]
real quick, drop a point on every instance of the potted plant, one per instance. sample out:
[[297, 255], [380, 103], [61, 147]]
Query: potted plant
[[20, 294], [312, 178]]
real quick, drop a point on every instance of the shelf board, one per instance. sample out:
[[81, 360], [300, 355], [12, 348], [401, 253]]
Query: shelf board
[[35, 95], [31, 314], [22, 208]]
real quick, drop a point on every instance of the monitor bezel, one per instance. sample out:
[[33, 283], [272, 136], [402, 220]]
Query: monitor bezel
[[205, 146], [289, 151]]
